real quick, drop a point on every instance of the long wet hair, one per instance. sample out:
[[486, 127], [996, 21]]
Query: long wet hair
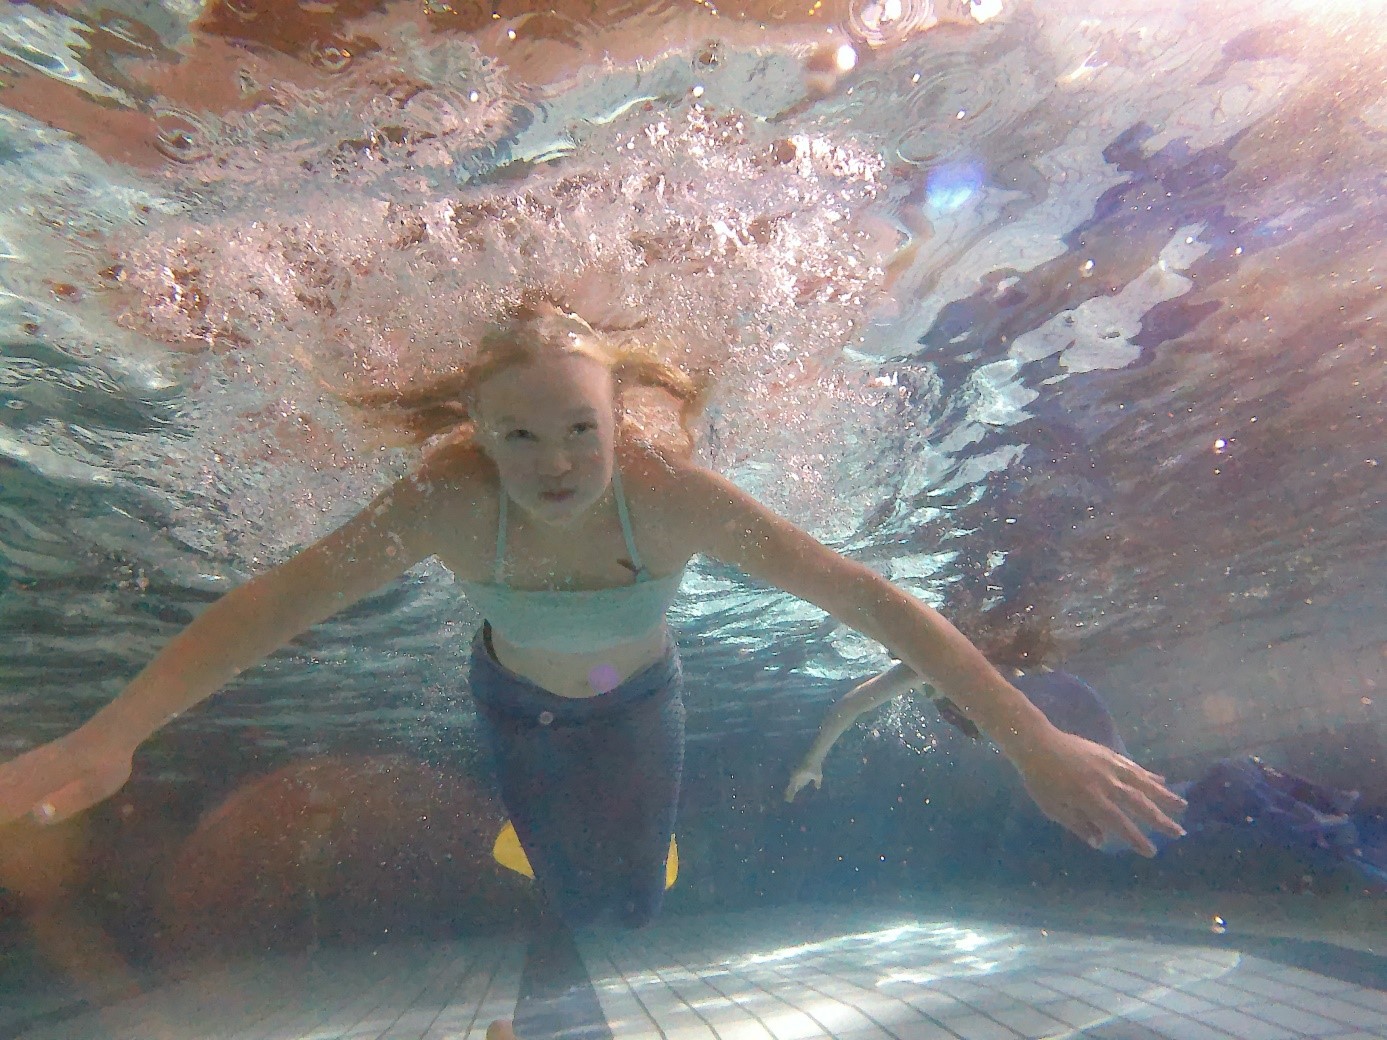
[[536, 330]]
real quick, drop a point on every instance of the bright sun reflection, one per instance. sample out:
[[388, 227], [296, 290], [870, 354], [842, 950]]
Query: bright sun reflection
[[947, 951]]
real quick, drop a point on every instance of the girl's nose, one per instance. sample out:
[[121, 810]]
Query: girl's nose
[[554, 464]]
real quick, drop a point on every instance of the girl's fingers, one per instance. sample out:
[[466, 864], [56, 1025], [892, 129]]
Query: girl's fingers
[[1147, 811], [1170, 801], [1146, 777], [1087, 831], [1152, 786], [1113, 820], [1161, 799]]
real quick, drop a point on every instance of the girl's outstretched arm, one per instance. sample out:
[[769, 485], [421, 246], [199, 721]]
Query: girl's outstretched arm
[[64, 777], [862, 698], [1084, 786]]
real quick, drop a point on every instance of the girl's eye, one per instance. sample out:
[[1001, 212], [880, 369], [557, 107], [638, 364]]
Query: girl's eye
[[584, 427], [519, 435]]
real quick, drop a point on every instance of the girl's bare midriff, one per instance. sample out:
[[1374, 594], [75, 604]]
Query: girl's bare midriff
[[572, 675]]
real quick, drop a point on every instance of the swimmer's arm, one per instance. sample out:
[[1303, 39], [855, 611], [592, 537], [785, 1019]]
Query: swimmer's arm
[[726, 523], [1082, 785], [63, 777], [896, 681], [252, 621], [861, 699]]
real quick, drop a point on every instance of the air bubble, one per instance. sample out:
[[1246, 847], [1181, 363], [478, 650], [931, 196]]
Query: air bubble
[[709, 56], [179, 136], [881, 22], [330, 57]]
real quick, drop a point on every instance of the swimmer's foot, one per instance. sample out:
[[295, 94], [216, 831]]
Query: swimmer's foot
[[501, 1029]]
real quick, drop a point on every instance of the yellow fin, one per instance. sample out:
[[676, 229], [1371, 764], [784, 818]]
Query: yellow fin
[[506, 850]]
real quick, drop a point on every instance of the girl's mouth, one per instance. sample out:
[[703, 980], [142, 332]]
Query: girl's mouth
[[562, 495]]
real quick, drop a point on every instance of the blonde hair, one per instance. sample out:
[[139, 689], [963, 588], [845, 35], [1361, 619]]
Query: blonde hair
[[531, 332]]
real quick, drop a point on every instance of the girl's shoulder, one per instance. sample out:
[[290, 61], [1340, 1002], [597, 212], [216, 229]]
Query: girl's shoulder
[[458, 495], [653, 474], [454, 480], [458, 466], [667, 491]]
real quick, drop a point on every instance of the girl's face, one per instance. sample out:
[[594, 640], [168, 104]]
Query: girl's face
[[550, 428]]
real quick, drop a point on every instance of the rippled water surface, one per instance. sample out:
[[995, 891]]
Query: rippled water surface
[[1067, 316]]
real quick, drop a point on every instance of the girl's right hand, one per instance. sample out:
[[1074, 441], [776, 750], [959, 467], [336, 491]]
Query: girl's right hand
[[802, 778], [60, 779]]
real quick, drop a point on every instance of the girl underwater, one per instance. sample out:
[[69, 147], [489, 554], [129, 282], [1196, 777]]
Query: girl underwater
[[571, 536]]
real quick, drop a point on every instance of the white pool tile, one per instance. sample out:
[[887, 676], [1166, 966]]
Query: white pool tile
[[1076, 1014], [1029, 1021], [1350, 1015], [1301, 1021], [1373, 1000], [1182, 1003], [1244, 1025], [1220, 994], [979, 1027], [1177, 1027]]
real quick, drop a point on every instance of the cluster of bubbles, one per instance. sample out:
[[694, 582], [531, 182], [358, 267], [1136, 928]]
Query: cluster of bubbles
[[325, 243]]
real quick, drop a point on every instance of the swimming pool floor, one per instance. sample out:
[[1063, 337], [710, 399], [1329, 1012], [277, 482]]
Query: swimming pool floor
[[790, 974]]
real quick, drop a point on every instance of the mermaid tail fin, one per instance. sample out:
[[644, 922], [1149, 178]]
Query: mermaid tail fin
[[508, 852]]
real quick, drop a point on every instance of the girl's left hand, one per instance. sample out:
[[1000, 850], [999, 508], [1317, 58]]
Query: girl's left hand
[[1096, 793]]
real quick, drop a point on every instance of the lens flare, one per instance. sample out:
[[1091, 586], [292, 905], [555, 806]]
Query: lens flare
[[950, 187]]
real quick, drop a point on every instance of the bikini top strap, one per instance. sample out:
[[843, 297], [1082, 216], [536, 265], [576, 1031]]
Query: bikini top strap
[[499, 566], [624, 515]]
